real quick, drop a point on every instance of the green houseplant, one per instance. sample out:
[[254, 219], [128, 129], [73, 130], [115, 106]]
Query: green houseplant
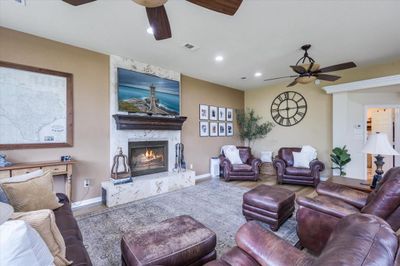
[[250, 127], [340, 157]]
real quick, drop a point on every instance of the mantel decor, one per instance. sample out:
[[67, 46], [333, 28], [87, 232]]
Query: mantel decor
[[149, 122], [36, 107]]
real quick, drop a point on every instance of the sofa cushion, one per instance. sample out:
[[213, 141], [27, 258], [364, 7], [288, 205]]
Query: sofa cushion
[[241, 167], [43, 221], [297, 171], [31, 194]]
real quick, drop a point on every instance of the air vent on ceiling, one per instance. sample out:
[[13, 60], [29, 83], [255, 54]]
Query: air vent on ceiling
[[190, 46], [21, 2]]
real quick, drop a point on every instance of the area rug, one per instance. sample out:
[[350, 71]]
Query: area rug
[[216, 204]]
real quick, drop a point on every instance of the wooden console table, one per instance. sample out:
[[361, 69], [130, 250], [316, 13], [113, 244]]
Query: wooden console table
[[56, 167]]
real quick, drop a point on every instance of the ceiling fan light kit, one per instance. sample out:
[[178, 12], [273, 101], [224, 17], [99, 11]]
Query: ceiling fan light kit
[[310, 71]]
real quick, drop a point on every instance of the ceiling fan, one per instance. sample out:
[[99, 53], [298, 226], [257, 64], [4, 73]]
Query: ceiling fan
[[158, 18], [308, 72]]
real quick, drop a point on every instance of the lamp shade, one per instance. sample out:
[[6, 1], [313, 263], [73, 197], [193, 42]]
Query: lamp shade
[[379, 144]]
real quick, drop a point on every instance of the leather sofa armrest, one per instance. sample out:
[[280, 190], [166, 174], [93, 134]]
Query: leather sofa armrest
[[255, 164], [326, 207], [351, 196], [225, 163], [267, 248], [280, 166], [317, 166]]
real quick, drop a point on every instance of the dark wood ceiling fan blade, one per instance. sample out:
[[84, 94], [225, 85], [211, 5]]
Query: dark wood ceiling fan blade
[[78, 2], [292, 76], [299, 69], [292, 84], [227, 7], [159, 22], [337, 67], [327, 77]]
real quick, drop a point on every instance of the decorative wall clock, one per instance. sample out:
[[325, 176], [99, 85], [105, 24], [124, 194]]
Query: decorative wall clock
[[288, 108]]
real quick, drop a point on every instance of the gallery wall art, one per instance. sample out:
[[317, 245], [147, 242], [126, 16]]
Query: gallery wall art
[[215, 121]]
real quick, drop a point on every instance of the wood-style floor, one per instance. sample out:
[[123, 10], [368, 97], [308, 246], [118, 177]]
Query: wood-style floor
[[264, 179]]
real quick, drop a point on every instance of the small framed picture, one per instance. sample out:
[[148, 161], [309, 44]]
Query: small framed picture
[[213, 113], [221, 129], [213, 129], [221, 113], [229, 129], [229, 114], [203, 111], [204, 130]]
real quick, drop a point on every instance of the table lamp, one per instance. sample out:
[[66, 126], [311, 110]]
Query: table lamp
[[378, 144]]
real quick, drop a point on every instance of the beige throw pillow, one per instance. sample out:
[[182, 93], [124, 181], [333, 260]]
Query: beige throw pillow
[[32, 194], [43, 221]]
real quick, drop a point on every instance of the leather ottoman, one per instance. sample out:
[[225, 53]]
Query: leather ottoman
[[271, 205], [176, 241]]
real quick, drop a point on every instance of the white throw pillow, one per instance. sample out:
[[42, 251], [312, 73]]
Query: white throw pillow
[[233, 156], [6, 210], [20, 245], [301, 159], [310, 151]]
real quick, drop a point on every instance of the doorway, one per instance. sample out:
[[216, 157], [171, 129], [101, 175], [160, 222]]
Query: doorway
[[384, 120]]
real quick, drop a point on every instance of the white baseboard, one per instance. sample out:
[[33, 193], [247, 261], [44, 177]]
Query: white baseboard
[[199, 177], [82, 203]]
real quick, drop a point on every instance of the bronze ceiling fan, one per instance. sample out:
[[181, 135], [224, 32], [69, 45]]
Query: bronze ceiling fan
[[158, 18], [309, 71]]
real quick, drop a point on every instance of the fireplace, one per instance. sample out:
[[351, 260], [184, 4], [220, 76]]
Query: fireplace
[[147, 157]]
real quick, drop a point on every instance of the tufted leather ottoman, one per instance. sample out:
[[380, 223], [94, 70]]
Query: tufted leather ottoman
[[271, 205], [176, 241]]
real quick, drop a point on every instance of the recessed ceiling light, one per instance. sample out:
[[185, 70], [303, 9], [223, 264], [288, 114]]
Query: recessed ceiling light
[[150, 30], [219, 58], [258, 74], [243, 78]]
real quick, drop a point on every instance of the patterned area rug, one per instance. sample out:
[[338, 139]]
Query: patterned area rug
[[218, 205]]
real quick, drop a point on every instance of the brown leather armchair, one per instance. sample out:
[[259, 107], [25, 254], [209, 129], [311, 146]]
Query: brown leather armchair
[[286, 173], [249, 170], [359, 239], [317, 217]]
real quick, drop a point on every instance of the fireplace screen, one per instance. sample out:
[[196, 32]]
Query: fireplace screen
[[147, 157]]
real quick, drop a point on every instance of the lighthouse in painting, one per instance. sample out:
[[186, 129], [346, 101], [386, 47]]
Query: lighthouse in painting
[[153, 106]]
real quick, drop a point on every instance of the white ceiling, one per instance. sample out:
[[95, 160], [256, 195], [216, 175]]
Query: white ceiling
[[263, 36]]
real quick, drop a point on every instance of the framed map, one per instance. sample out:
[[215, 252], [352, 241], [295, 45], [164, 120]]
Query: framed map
[[36, 108]]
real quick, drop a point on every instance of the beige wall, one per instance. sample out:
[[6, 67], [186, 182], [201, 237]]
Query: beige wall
[[91, 104], [199, 150], [316, 128]]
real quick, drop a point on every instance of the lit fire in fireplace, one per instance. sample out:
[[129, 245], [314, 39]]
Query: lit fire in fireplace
[[150, 154]]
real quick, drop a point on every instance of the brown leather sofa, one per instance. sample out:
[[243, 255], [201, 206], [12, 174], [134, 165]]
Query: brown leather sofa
[[249, 170], [286, 173], [66, 223], [317, 217], [359, 239]]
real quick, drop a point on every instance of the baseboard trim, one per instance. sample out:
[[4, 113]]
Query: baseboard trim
[[199, 177], [83, 203]]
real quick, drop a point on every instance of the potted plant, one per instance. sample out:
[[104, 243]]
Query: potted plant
[[250, 128], [340, 157]]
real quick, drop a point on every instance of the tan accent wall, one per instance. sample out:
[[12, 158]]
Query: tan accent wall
[[91, 104], [199, 150], [316, 128]]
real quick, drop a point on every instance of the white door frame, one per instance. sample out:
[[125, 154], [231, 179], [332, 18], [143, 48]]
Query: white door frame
[[366, 107]]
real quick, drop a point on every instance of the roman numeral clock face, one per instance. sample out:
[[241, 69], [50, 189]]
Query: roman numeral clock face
[[288, 108]]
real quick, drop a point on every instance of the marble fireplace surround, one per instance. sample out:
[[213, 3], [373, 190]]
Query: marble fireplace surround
[[120, 138]]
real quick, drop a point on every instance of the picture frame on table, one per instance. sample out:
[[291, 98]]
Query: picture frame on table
[[221, 129], [213, 129], [229, 129], [229, 114], [213, 113], [221, 113], [203, 112], [204, 129]]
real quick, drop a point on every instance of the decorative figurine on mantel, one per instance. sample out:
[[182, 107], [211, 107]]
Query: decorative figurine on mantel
[[3, 161], [120, 170], [180, 164]]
